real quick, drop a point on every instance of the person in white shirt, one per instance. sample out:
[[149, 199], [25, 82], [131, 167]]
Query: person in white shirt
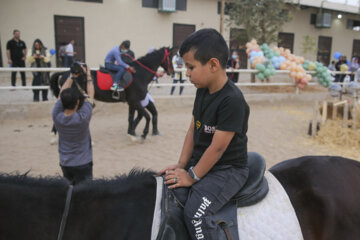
[[178, 62], [69, 58]]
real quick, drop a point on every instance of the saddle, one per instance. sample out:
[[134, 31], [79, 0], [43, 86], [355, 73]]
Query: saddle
[[105, 80], [172, 226]]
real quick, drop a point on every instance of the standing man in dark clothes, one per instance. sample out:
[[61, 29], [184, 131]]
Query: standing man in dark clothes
[[16, 52]]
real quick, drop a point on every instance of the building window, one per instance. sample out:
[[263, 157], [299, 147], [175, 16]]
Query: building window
[[94, 1], [180, 4], [353, 24]]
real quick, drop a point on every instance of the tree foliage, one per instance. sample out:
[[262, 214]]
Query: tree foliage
[[261, 19]]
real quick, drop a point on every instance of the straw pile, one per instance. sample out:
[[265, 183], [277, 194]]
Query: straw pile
[[333, 133]]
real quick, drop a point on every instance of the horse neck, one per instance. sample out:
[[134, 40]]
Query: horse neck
[[152, 62]]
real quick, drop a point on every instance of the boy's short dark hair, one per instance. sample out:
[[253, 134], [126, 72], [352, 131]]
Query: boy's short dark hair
[[16, 30], [206, 43], [69, 98]]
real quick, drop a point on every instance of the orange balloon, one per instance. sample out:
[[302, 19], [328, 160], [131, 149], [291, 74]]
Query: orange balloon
[[283, 66], [308, 77], [293, 74], [300, 75]]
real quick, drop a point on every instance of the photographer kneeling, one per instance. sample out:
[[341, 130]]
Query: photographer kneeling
[[72, 121]]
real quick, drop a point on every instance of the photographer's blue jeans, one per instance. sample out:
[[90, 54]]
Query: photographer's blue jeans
[[120, 71]]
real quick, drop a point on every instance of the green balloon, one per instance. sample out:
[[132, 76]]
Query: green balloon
[[260, 76], [260, 67]]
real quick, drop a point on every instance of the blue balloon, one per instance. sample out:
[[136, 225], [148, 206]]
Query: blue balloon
[[52, 51], [337, 55], [282, 59], [348, 62]]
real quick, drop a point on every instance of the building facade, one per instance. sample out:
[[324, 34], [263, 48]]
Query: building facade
[[98, 25]]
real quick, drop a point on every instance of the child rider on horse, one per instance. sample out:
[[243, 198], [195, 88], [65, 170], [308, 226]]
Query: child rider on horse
[[114, 62], [213, 160]]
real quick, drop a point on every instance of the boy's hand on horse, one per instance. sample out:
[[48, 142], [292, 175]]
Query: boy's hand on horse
[[178, 178], [169, 168]]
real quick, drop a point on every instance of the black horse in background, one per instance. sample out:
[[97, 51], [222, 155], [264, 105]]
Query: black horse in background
[[146, 68], [323, 190]]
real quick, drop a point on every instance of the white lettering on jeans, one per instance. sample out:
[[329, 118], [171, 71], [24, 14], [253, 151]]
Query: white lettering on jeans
[[199, 213]]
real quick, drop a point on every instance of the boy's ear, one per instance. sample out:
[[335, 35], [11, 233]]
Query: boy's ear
[[214, 64]]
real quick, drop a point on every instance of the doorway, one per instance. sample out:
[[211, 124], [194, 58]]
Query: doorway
[[180, 32], [286, 40], [356, 48], [238, 40], [324, 50], [69, 28]]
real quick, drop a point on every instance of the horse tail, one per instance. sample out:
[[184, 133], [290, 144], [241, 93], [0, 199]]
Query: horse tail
[[55, 84]]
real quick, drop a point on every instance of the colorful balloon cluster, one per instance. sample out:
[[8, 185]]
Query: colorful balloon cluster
[[321, 72], [266, 60], [259, 59]]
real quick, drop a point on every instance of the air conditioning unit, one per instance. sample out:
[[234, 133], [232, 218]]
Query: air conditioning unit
[[167, 5], [323, 20]]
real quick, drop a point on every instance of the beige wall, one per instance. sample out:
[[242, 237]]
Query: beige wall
[[342, 38], [107, 24]]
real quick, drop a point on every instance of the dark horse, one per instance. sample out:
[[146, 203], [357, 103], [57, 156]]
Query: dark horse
[[146, 68], [324, 191]]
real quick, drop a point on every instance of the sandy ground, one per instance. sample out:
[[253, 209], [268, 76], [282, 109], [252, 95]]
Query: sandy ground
[[277, 130]]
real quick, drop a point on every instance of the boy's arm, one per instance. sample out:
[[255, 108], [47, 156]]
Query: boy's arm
[[66, 85], [213, 153]]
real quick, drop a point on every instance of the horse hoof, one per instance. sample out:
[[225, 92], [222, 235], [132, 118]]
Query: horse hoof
[[157, 133], [132, 138], [142, 140]]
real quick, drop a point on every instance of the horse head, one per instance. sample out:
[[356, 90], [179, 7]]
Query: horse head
[[166, 62]]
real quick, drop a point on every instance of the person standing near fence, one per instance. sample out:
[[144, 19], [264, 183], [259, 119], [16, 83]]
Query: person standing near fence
[[72, 123], [178, 62], [233, 63], [39, 57], [69, 58], [16, 52]]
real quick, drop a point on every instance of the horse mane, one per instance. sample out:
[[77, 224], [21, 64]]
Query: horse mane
[[23, 179], [134, 177], [149, 57]]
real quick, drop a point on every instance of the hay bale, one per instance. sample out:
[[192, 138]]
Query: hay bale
[[333, 133]]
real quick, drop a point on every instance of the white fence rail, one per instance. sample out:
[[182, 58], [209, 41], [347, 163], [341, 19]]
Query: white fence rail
[[247, 84]]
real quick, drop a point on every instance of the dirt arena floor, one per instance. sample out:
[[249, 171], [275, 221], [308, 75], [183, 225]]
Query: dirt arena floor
[[278, 127]]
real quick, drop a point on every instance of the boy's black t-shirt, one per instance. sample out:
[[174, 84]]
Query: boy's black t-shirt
[[224, 110], [16, 49]]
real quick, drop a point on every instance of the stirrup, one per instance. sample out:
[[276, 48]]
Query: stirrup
[[115, 95]]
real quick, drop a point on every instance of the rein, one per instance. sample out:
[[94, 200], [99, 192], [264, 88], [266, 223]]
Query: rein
[[166, 56], [65, 213]]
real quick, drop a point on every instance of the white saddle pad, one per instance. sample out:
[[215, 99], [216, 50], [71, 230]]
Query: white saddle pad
[[273, 218]]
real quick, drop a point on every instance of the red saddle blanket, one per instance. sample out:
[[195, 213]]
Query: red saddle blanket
[[105, 81]]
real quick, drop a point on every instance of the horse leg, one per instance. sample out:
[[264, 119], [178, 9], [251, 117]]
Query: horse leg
[[152, 109], [143, 112], [137, 120], [131, 128]]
